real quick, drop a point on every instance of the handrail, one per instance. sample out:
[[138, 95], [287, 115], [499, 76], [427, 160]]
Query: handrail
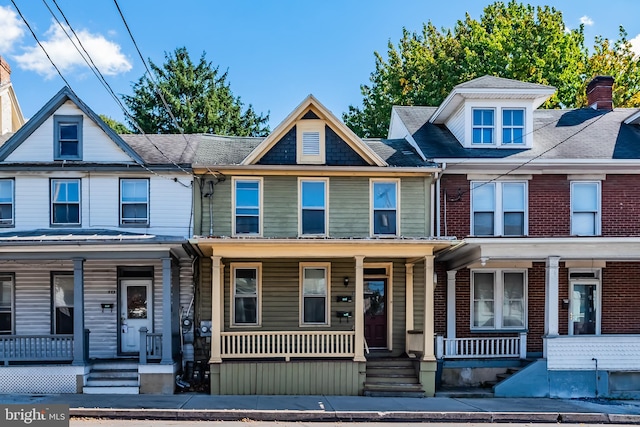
[[27, 348]]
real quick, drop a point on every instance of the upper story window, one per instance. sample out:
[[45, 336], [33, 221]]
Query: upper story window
[[134, 201], [384, 205], [6, 202], [67, 137], [62, 298], [585, 208], [245, 309], [65, 202], [314, 294], [310, 141], [499, 299], [499, 208], [483, 126], [247, 206], [512, 126], [6, 304], [313, 207]]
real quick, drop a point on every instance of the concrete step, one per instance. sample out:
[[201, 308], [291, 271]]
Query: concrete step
[[105, 374], [390, 370], [114, 365], [397, 379], [464, 392], [111, 382], [111, 390], [391, 390]]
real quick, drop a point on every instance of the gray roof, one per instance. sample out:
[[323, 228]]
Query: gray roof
[[396, 152], [95, 235], [215, 150], [492, 82], [163, 149], [558, 134]]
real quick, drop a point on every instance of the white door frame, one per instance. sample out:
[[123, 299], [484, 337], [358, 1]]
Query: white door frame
[[130, 323], [597, 302]]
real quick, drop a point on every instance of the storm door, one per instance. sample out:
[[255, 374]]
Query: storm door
[[375, 312], [136, 308], [583, 308]]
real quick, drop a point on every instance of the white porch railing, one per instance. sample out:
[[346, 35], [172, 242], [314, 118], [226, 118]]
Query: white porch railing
[[287, 344], [27, 348], [150, 346], [481, 347]]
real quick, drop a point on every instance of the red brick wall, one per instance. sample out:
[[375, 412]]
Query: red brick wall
[[455, 205], [621, 205], [535, 306], [549, 206], [621, 298], [440, 303]]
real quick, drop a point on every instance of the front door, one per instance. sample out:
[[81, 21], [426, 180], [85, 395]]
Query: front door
[[136, 307], [583, 308], [375, 312]]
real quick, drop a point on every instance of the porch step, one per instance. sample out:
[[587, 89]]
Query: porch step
[[111, 390], [392, 378], [464, 392], [113, 377]]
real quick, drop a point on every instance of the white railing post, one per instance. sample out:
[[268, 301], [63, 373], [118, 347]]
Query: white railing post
[[143, 345], [523, 345], [439, 346]]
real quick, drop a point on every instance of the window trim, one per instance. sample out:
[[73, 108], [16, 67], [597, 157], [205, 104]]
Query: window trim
[[325, 209], [12, 278], [498, 208], [234, 181], [494, 140], [55, 274], [122, 203], [327, 303], [598, 213], [79, 202], [12, 221], [310, 125], [498, 300], [66, 119], [232, 293], [523, 142], [372, 182]]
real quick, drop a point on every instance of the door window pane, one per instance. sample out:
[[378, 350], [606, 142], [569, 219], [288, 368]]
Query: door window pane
[[136, 302]]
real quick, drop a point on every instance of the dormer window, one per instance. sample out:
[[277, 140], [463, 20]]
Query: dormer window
[[310, 142], [67, 137], [483, 126], [512, 126]]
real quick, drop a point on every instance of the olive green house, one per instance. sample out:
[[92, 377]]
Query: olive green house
[[316, 260]]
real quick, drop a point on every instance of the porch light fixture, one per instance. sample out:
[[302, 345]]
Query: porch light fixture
[[346, 282]]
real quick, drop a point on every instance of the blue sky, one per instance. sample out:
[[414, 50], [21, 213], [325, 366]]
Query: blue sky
[[275, 52]]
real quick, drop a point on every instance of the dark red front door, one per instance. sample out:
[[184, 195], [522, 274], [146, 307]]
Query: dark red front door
[[375, 312]]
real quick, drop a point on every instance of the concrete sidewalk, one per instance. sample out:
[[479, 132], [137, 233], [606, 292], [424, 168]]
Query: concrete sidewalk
[[340, 408]]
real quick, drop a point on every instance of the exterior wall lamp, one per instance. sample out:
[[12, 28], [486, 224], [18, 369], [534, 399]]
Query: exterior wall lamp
[[346, 282]]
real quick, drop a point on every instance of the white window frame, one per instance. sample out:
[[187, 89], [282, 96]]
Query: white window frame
[[234, 182], [55, 305], [8, 277], [498, 300], [9, 222], [310, 127], [327, 302], [232, 293], [133, 222], [498, 207], [597, 213], [511, 127], [66, 120], [372, 209], [302, 208], [595, 280], [78, 202], [482, 127]]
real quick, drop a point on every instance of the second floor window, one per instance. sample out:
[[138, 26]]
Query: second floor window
[[585, 208], [385, 207], [483, 126], [498, 208], [134, 201], [313, 203], [65, 201], [512, 126], [67, 137], [6, 202], [6, 304], [247, 206]]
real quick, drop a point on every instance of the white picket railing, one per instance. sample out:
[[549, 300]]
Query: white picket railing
[[481, 347], [28, 348], [287, 344]]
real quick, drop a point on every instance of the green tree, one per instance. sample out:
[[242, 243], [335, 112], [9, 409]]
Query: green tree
[[197, 95], [117, 127], [510, 40]]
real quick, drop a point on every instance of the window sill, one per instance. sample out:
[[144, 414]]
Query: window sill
[[65, 225], [145, 225], [499, 331]]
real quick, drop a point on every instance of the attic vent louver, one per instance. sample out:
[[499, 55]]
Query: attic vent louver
[[311, 143]]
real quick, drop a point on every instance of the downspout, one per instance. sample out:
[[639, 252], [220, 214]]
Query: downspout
[[437, 205]]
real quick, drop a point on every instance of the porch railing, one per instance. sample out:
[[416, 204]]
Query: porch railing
[[150, 346], [26, 348], [481, 347], [287, 344]]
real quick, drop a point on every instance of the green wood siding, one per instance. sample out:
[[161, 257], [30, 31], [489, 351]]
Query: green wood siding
[[280, 217], [221, 207], [349, 207], [415, 201]]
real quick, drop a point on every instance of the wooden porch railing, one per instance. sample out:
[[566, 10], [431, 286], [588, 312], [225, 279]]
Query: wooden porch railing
[[28, 348], [150, 346], [287, 344], [481, 347]]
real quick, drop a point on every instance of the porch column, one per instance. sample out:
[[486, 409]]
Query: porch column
[[552, 296], [359, 311], [451, 303], [409, 297], [428, 352], [167, 342], [216, 305], [78, 310]]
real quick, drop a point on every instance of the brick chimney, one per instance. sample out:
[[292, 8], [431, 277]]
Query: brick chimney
[[5, 71], [600, 93]]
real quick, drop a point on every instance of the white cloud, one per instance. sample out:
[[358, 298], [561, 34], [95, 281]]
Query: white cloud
[[586, 21], [635, 45], [105, 54], [12, 29]]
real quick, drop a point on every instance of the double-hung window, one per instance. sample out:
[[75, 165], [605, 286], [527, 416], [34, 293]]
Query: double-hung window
[[245, 294], [62, 301], [65, 202], [585, 208], [499, 208], [498, 299], [6, 202], [6, 304], [313, 207], [513, 126], [247, 199], [134, 201], [384, 203], [67, 137], [314, 294], [483, 125]]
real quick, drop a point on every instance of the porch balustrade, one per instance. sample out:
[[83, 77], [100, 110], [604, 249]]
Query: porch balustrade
[[481, 347], [287, 344], [27, 348], [150, 346]]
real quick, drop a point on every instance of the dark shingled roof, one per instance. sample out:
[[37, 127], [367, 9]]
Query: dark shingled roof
[[396, 152], [558, 134], [163, 149], [492, 82]]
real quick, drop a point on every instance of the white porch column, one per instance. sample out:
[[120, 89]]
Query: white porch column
[[451, 303], [167, 344], [216, 305], [78, 309], [428, 353], [552, 296], [359, 311], [409, 297]]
